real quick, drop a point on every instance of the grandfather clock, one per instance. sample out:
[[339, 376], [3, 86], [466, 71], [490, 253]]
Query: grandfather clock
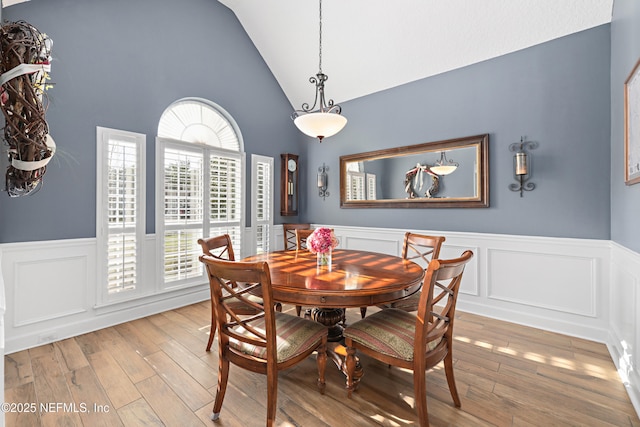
[[289, 185]]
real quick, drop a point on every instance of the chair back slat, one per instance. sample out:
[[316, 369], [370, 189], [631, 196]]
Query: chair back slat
[[301, 238], [289, 232], [219, 247], [421, 248], [436, 311]]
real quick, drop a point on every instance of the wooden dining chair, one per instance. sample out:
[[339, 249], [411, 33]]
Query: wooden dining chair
[[421, 249], [289, 232], [220, 247], [265, 342], [301, 238], [414, 341]]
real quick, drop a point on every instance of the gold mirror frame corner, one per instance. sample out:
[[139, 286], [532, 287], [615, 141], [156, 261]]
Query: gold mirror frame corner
[[480, 201]]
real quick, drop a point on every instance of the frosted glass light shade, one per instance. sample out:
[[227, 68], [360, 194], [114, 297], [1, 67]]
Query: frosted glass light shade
[[320, 125], [443, 169]]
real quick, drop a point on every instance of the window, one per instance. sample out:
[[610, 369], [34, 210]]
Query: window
[[262, 197], [199, 186], [120, 212]]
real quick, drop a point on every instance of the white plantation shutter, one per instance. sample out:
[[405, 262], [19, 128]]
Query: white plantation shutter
[[262, 198], [120, 208], [183, 212], [371, 187], [199, 151], [356, 186]]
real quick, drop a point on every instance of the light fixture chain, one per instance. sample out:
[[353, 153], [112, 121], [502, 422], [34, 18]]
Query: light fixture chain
[[320, 41]]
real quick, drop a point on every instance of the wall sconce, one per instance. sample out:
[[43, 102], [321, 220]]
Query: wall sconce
[[522, 165], [322, 181]]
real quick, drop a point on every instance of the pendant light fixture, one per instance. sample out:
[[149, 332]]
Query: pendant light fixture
[[326, 120]]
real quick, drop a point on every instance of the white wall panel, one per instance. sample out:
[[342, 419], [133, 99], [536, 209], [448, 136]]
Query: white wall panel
[[49, 288], [556, 282]]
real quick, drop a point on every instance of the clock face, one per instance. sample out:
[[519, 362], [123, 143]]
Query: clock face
[[291, 165]]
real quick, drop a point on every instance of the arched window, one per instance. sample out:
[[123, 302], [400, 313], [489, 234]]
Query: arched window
[[199, 185]]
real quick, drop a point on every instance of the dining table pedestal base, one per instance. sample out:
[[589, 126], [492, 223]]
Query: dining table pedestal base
[[331, 318], [336, 351]]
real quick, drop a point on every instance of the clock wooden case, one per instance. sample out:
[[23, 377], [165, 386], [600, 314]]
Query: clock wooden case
[[289, 185]]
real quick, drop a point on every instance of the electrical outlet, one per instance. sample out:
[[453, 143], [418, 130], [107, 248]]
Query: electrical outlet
[[47, 338]]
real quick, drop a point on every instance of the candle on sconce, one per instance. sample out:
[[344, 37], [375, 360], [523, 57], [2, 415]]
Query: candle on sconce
[[521, 163], [321, 180]]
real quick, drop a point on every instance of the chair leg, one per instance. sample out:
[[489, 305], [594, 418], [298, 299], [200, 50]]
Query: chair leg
[[212, 332], [272, 396], [448, 369], [223, 377], [363, 311], [321, 360], [298, 310], [351, 367], [420, 391], [278, 307]]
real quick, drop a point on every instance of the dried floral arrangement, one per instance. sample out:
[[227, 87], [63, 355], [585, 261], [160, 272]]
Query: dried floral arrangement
[[24, 72]]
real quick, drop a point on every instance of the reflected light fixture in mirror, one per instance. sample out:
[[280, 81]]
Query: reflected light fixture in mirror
[[522, 165], [444, 166], [327, 119]]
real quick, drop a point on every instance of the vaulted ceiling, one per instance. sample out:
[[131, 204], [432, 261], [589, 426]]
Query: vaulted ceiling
[[373, 45]]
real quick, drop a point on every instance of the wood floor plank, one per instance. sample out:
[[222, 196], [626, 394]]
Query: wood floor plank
[[116, 383], [52, 389], [127, 357], [17, 369], [139, 413], [17, 415], [70, 354], [166, 404], [88, 393], [188, 389], [193, 365]]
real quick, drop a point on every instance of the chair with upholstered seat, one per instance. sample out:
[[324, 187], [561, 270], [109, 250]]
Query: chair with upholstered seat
[[416, 341], [220, 247], [266, 342], [421, 249], [289, 232]]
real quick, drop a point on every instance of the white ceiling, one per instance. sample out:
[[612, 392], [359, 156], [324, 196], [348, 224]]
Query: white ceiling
[[372, 45]]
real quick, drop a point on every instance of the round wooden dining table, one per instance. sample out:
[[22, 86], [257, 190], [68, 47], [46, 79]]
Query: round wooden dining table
[[354, 279]]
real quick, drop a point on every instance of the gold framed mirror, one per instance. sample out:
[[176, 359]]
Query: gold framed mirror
[[444, 174]]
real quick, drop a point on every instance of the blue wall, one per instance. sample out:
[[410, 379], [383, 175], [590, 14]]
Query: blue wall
[[556, 93], [119, 64], [625, 52]]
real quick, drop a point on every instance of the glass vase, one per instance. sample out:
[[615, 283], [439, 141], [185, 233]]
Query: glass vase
[[324, 260]]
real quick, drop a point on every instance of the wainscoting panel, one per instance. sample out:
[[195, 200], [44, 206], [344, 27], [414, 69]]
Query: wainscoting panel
[[549, 281], [624, 330], [59, 283]]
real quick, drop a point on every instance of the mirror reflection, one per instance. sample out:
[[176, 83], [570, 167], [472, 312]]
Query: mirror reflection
[[449, 173]]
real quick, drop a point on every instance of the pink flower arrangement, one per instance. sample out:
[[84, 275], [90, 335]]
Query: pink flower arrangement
[[321, 240]]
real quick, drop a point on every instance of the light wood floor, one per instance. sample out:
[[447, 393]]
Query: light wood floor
[[154, 371]]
